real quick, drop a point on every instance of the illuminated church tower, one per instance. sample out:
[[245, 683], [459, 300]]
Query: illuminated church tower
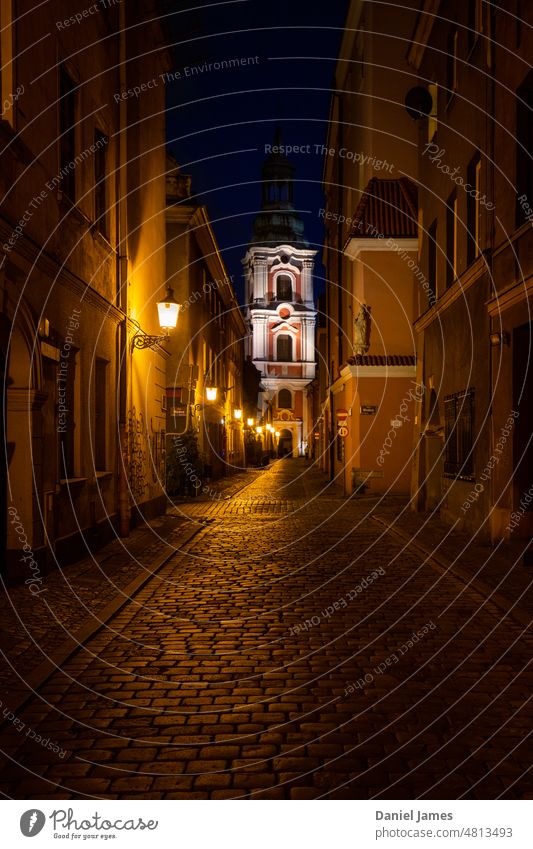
[[280, 307]]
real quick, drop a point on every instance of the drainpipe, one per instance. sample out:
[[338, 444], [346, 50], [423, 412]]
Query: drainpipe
[[124, 508], [491, 222]]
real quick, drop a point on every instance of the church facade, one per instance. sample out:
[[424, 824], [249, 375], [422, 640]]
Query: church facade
[[280, 311]]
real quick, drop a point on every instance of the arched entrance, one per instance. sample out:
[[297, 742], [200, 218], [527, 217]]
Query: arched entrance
[[285, 443]]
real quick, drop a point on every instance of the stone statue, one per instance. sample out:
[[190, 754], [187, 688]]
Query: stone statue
[[361, 336]]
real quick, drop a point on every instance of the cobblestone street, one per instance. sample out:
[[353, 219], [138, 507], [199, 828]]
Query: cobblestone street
[[292, 648]]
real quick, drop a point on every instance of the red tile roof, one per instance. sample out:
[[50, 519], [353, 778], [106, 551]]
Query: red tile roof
[[381, 360], [387, 208]]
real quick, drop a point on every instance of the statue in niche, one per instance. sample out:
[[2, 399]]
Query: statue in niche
[[361, 336]]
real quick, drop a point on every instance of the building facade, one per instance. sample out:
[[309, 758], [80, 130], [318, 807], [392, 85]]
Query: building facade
[[281, 314], [369, 389], [207, 349], [474, 454], [82, 239]]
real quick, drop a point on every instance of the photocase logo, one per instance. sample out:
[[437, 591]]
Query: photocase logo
[[32, 822]]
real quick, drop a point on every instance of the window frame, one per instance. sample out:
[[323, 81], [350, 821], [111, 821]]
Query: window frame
[[100, 182], [286, 278], [100, 414], [452, 240], [459, 411], [67, 109], [524, 146], [473, 210], [284, 406], [290, 343]]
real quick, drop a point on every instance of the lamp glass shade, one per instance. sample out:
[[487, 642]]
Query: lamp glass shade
[[211, 393], [237, 413], [277, 434], [259, 429], [250, 422], [168, 311]]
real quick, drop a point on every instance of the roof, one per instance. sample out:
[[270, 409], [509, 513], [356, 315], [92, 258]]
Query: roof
[[381, 360], [387, 208]]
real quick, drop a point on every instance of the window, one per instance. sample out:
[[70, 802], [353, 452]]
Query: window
[[284, 348], [459, 435], [473, 209], [433, 117], [285, 399], [100, 393], [432, 262], [7, 95], [283, 288], [451, 239], [68, 413], [524, 148], [451, 65], [67, 132], [100, 188], [475, 22]]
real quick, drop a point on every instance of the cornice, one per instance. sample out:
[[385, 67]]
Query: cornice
[[27, 257], [456, 291]]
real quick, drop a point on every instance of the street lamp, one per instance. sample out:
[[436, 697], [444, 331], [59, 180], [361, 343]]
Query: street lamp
[[168, 310], [237, 414], [250, 422], [259, 430], [211, 393]]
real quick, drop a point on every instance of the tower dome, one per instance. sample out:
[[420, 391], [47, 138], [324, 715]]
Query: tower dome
[[278, 223]]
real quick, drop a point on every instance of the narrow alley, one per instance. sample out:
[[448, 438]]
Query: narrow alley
[[297, 646]]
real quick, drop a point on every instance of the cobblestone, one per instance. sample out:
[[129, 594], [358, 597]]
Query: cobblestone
[[201, 686]]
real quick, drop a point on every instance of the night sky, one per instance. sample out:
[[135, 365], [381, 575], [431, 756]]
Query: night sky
[[219, 121]]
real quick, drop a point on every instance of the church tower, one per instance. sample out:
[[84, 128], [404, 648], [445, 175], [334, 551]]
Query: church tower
[[280, 307]]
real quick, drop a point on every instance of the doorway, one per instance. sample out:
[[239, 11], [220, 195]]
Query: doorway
[[522, 438], [285, 443]]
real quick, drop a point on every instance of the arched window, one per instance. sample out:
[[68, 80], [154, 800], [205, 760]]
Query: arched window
[[285, 399], [284, 348], [283, 288]]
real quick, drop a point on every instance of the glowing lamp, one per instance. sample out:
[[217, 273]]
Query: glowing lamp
[[168, 310]]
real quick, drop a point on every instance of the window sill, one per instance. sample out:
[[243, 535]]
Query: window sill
[[100, 237], [12, 139], [105, 475], [69, 483], [72, 208]]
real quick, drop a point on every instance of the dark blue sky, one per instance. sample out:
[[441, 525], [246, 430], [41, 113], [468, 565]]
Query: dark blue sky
[[220, 120]]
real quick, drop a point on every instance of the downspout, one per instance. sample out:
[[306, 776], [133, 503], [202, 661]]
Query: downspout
[[124, 508], [491, 97]]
